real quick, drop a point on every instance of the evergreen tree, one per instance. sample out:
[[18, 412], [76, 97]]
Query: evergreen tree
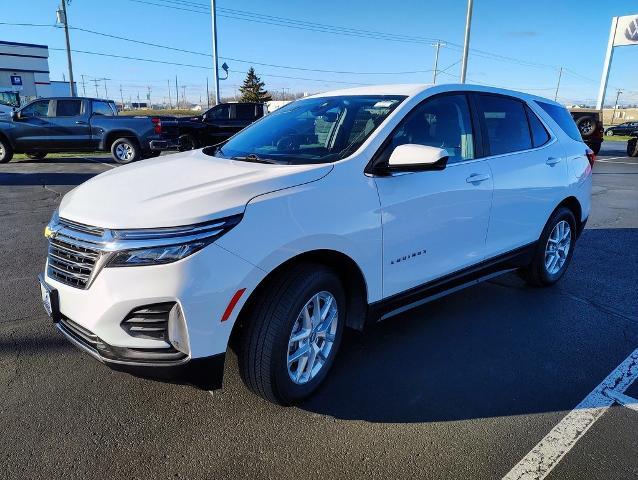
[[253, 88]]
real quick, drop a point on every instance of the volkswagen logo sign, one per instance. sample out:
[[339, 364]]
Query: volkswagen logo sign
[[631, 32]]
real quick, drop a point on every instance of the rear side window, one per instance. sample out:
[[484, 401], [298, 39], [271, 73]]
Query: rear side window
[[102, 108], [68, 108], [562, 117], [221, 112], [539, 133], [506, 123], [245, 111]]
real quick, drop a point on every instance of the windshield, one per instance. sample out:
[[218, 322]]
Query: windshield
[[10, 99], [315, 130]]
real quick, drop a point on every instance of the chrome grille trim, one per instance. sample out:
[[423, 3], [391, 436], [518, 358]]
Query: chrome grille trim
[[81, 227]]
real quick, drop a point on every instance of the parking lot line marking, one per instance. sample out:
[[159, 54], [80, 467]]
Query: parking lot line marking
[[619, 163], [97, 161], [624, 400], [542, 459]]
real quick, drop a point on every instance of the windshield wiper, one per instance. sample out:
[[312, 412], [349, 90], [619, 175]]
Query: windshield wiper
[[253, 158]]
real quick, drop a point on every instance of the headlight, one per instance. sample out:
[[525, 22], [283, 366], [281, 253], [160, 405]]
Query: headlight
[[154, 255]]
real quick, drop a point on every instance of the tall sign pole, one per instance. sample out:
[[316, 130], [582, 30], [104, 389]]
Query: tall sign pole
[[68, 47], [466, 43], [608, 57], [213, 17]]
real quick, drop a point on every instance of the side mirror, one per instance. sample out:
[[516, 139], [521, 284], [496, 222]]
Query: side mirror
[[413, 158], [15, 114]]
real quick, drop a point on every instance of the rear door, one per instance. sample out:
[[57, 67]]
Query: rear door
[[529, 169], [70, 125], [219, 124]]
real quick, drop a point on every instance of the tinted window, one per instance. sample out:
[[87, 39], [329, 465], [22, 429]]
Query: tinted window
[[442, 122], [101, 108], [68, 108], [221, 112], [245, 111], [506, 123], [313, 130], [539, 133], [562, 117], [36, 109]]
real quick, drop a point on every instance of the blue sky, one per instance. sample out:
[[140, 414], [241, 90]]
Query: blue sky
[[542, 35]]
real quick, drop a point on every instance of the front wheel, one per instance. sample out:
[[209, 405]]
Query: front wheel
[[187, 142], [554, 250], [292, 334], [6, 152], [125, 150], [609, 133]]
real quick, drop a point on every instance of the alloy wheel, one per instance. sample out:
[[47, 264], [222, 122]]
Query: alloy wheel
[[312, 337], [124, 151], [557, 248]]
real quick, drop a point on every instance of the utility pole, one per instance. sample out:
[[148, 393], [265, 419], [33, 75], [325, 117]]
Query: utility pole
[[106, 92], [560, 74], [438, 46], [176, 94], [121, 96], [169, 94], [613, 115], [207, 94], [64, 21], [184, 95], [148, 95], [213, 15], [95, 81], [466, 43], [83, 86]]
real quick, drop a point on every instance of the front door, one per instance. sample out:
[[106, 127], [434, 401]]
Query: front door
[[434, 222], [33, 130], [70, 126]]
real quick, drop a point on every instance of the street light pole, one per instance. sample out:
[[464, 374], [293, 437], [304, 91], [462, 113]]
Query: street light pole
[[438, 46], [466, 43], [213, 15], [68, 47]]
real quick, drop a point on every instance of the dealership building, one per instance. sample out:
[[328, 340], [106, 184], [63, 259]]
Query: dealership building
[[24, 68]]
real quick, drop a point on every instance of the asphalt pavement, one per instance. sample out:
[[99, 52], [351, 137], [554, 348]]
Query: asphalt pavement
[[464, 387]]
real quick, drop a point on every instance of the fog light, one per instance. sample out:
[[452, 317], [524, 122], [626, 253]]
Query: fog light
[[177, 332]]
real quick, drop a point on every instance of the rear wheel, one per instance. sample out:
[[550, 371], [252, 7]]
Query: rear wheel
[[125, 150], [37, 155], [554, 250], [609, 133], [586, 125], [293, 334], [187, 142], [632, 147], [6, 152]]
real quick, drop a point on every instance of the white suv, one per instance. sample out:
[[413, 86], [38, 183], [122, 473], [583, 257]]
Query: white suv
[[334, 211]]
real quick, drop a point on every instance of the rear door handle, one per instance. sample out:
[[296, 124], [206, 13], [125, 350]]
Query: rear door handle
[[553, 160], [80, 122], [477, 178]]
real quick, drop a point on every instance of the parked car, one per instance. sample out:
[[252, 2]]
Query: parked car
[[217, 124], [74, 124], [589, 122], [337, 210], [625, 128], [9, 101]]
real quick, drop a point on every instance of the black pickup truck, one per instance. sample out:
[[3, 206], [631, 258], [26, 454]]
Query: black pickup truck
[[75, 124], [217, 124]]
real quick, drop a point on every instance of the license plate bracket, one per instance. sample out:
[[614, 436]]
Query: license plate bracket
[[50, 300]]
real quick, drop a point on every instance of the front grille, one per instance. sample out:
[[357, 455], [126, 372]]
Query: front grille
[[71, 261], [149, 321]]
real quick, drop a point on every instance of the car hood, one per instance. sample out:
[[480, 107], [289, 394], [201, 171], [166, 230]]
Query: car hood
[[178, 189]]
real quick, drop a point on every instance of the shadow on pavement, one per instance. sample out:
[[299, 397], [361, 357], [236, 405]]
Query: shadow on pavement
[[53, 178], [67, 160], [498, 349]]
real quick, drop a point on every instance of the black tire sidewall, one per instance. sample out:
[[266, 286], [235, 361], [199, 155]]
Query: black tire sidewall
[[558, 216], [583, 120], [132, 143], [284, 387], [191, 142]]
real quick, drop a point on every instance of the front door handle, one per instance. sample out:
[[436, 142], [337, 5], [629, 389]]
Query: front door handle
[[80, 122], [553, 161], [477, 178]]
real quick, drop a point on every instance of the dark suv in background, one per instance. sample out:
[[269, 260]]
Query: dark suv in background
[[590, 125], [218, 124]]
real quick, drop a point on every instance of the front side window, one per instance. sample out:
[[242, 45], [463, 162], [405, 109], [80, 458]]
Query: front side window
[[68, 108], [36, 109], [102, 108], [442, 122], [506, 124], [314, 130]]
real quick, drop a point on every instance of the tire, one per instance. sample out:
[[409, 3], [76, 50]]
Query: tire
[[609, 133], [264, 345], [538, 273], [586, 125], [6, 151], [125, 150], [632, 147], [187, 142], [37, 155]]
